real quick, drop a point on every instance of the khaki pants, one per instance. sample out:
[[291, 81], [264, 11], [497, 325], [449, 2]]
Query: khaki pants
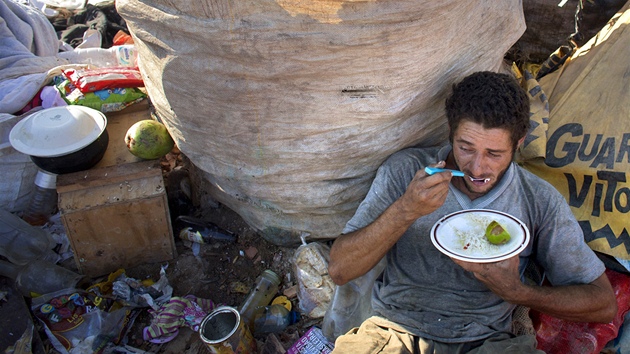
[[378, 335]]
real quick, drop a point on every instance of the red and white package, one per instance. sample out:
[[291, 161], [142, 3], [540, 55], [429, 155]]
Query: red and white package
[[90, 80]]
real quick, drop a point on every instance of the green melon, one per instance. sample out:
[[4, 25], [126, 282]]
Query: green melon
[[496, 234], [149, 139]]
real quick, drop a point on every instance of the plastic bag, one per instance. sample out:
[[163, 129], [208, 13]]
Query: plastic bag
[[78, 321], [135, 293], [90, 80], [556, 336], [108, 100], [315, 287], [351, 304]]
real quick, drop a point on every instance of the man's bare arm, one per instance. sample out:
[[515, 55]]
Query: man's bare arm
[[593, 302], [355, 253]]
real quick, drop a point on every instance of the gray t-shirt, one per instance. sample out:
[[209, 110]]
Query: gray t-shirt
[[434, 298]]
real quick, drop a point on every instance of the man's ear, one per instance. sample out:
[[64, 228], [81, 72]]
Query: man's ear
[[520, 141]]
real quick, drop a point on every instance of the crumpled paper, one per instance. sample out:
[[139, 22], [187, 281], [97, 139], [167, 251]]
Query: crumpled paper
[[134, 293]]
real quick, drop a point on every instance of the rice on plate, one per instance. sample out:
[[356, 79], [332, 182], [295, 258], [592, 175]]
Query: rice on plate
[[461, 235]]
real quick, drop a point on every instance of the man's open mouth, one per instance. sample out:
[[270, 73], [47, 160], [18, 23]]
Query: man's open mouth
[[478, 180]]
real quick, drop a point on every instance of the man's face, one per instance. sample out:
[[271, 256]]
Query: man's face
[[483, 155]]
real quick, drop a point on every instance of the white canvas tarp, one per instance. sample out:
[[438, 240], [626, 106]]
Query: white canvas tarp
[[290, 106]]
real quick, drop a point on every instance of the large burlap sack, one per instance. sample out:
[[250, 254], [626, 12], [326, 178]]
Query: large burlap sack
[[290, 106], [583, 146]]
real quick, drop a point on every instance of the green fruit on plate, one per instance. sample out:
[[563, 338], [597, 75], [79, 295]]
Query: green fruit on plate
[[496, 234], [149, 139]]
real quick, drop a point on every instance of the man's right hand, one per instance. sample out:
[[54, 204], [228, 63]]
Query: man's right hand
[[355, 253], [425, 193]]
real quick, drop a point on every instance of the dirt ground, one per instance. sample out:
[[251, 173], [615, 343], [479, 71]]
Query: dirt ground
[[221, 272]]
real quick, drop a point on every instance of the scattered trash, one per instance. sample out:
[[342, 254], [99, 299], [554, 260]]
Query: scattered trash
[[22, 243], [284, 301], [201, 231], [251, 252], [78, 321], [123, 349], [273, 319], [557, 336], [43, 202], [196, 248], [291, 292], [22, 345], [56, 230], [178, 312], [239, 287], [39, 277], [134, 293], [312, 342], [265, 289], [223, 331]]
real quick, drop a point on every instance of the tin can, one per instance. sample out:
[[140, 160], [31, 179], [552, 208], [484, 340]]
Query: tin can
[[223, 332]]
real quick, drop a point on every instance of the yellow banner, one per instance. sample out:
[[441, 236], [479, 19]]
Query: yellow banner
[[579, 139]]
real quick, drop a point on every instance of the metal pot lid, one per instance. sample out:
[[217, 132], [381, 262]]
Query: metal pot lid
[[57, 131]]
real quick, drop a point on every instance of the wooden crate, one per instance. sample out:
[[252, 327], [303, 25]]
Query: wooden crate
[[116, 214], [116, 217]]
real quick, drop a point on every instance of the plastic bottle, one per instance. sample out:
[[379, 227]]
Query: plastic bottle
[[21, 243], [39, 277], [273, 319], [116, 56], [43, 202], [265, 289], [201, 231]]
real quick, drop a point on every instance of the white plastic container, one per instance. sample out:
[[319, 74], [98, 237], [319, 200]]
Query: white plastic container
[[116, 56]]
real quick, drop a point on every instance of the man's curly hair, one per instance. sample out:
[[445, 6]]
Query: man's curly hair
[[492, 100]]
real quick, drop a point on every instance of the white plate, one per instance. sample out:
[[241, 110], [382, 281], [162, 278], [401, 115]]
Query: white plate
[[461, 235]]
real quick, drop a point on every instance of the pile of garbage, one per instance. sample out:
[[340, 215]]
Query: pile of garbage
[[81, 54], [80, 314]]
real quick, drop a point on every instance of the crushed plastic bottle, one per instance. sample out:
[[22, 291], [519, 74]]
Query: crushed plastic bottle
[[201, 231], [264, 290], [39, 277], [22, 243], [273, 319]]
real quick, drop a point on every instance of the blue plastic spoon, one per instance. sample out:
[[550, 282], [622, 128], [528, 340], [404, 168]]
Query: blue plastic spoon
[[431, 170]]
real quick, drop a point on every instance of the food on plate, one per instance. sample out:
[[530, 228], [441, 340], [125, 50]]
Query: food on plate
[[496, 234]]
